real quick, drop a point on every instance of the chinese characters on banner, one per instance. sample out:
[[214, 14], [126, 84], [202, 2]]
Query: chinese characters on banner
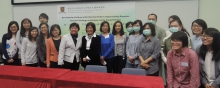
[[96, 13]]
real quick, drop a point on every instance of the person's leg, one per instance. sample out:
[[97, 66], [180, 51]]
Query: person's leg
[[109, 65], [121, 64], [54, 64], [32, 65], [75, 65], [67, 65], [116, 64]]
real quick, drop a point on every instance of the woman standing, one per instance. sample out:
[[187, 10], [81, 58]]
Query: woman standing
[[132, 44], [148, 50], [26, 24], [120, 40], [198, 26], [52, 47], [107, 46], [9, 48], [90, 51], [209, 55], [69, 51], [29, 49], [41, 44]]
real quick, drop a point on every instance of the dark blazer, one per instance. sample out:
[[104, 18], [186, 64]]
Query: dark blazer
[[41, 50], [93, 53]]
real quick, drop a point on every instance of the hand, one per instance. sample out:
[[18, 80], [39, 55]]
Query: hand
[[143, 64], [23, 64], [146, 66], [48, 66], [207, 86], [84, 59], [212, 87], [102, 58], [130, 58], [44, 62], [10, 61]]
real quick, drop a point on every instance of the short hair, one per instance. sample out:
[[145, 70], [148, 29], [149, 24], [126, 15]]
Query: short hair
[[140, 23], [152, 27], [23, 30], [200, 22], [213, 32], [128, 23], [29, 34], [44, 15], [153, 14], [181, 24], [105, 22], [53, 27], [114, 31], [91, 24], [9, 35], [180, 36], [74, 24]]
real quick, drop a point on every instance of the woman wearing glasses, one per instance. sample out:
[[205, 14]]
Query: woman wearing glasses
[[198, 26], [182, 63], [209, 55]]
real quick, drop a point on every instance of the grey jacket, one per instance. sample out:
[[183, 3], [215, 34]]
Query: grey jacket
[[203, 78]]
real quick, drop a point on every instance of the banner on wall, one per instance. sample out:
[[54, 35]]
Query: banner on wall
[[96, 13]]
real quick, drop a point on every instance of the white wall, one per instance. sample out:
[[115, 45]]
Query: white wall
[[208, 10]]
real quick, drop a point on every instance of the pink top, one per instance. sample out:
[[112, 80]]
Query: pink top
[[183, 69]]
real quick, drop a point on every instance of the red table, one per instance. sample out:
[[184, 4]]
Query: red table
[[81, 79], [29, 77]]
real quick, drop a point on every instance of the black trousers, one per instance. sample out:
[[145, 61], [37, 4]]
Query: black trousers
[[72, 66], [32, 65], [154, 74], [54, 65], [17, 62], [118, 64], [41, 64], [109, 65]]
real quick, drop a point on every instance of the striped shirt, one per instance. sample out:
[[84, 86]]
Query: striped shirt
[[131, 47]]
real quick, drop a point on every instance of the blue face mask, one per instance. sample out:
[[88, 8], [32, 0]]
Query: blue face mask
[[130, 29], [151, 21], [146, 32], [173, 29], [136, 29]]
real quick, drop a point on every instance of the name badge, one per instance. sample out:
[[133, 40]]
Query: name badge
[[184, 64]]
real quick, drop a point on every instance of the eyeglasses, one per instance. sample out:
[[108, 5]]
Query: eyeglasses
[[196, 26], [206, 36]]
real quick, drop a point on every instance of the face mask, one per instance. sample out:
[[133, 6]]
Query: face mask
[[136, 29], [147, 32], [173, 29], [151, 21], [130, 29]]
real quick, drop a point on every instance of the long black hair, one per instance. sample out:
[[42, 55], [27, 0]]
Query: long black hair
[[215, 34], [9, 35], [23, 30], [114, 31], [41, 37]]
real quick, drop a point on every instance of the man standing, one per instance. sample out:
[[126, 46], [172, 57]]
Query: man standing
[[43, 18], [160, 32]]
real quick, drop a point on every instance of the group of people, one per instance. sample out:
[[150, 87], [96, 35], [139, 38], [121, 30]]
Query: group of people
[[189, 61]]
